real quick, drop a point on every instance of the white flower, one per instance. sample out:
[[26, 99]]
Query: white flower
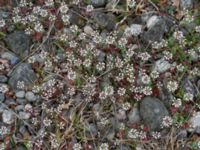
[[172, 86], [2, 23], [177, 103], [167, 121], [89, 8], [109, 90], [121, 91], [188, 97], [64, 8], [47, 122], [77, 146], [156, 135], [104, 146], [131, 3], [133, 133]]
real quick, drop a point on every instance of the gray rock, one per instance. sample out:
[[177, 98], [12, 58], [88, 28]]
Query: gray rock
[[188, 87], [24, 115], [11, 57], [185, 4], [30, 96], [182, 134], [23, 73], [98, 3], [105, 21], [88, 30], [152, 111], [3, 79], [162, 65], [134, 115], [20, 94], [4, 14], [10, 102], [8, 117], [156, 27], [75, 18], [195, 123], [21, 101], [2, 97], [19, 43], [19, 107]]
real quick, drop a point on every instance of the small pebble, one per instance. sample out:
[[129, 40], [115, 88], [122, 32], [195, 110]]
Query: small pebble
[[20, 94], [3, 79], [30, 96], [8, 117]]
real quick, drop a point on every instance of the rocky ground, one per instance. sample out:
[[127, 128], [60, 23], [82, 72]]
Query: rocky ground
[[100, 74]]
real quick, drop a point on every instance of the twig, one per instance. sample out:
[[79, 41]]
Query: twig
[[154, 5]]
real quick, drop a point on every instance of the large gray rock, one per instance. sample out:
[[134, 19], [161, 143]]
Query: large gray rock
[[98, 3], [156, 28], [105, 21], [24, 73], [19, 43], [152, 111], [8, 117]]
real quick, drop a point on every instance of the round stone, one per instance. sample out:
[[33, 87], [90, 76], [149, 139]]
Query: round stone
[[30, 96]]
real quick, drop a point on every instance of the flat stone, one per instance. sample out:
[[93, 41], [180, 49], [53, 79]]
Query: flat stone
[[11, 57], [104, 20], [3, 79], [18, 42], [152, 111], [8, 117], [20, 94], [30, 96], [23, 73], [24, 115]]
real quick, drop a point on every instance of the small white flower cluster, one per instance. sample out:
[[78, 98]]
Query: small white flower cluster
[[172, 86], [131, 3], [188, 96], [104, 146], [77, 146], [156, 135], [158, 45], [178, 35], [4, 130], [47, 122], [89, 8], [144, 56], [166, 121], [135, 134], [197, 29], [177, 103], [2, 23]]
